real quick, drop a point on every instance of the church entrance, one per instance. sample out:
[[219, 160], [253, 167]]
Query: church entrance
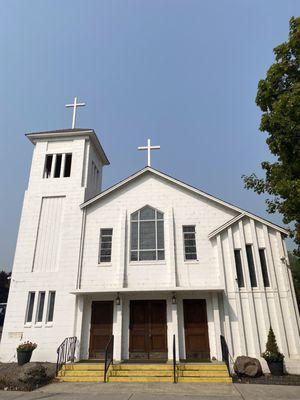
[[196, 330], [101, 328], [148, 330]]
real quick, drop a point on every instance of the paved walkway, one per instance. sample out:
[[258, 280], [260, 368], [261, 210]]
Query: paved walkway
[[156, 391]]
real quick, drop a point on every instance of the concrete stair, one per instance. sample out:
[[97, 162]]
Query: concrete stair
[[82, 372], [208, 372], [94, 372], [141, 373]]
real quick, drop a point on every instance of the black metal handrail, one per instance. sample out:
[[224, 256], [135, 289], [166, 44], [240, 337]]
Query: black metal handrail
[[66, 352], [109, 352], [226, 356], [174, 361]]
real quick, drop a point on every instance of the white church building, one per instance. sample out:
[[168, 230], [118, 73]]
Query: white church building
[[148, 258]]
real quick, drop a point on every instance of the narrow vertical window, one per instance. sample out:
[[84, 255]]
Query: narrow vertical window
[[40, 307], [48, 165], [189, 238], [30, 305], [68, 163], [105, 245], [50, 309], [239, 268], [251, 265], [57, 165], [264, 268]]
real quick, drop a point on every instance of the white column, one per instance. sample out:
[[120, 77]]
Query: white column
[[240, 316], [78, 325], [228, 334], [172, 317], [172, 262], [122, 258], [260, 281], [253, 318], [279, 314], [117, 331], [216, 315]]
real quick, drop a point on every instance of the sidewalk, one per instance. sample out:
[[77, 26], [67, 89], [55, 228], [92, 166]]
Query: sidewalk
[[156, 391]]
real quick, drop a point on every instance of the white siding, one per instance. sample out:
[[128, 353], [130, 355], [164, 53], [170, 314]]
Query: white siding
[[49, 234]]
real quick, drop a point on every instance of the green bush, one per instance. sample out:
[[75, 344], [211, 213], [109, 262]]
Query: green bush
[[272, 353]]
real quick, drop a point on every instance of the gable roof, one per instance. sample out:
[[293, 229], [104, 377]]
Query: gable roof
[[150, 170]]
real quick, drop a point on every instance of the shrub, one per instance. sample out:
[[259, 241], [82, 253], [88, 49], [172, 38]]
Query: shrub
[[27, 346], [272, 353]]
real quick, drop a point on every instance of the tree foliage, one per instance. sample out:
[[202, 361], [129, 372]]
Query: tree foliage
[[4, 285], [278, 97], [295, 269]]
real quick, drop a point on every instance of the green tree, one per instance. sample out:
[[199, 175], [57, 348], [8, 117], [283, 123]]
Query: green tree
[[295, 269], [278, 97], [4, 285]]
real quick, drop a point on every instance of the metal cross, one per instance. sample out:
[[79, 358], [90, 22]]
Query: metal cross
[[75, 105], [149, 148]]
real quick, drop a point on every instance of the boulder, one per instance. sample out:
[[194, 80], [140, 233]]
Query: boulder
[[247, 366]]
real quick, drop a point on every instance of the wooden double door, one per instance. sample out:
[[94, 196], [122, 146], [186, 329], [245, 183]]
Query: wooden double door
[[148, 330], [196, 330], [101, 328]]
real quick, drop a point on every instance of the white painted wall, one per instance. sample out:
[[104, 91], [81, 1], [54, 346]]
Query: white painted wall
[[251, 311], [180, 207]]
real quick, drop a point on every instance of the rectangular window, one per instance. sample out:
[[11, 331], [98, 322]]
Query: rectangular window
[[189, 239], [68, 163], [105, 245], [50, 309], [40, 307], [239, 268], [251, 265], [57, 165], [30, 305], [264, 267], [48, 165]]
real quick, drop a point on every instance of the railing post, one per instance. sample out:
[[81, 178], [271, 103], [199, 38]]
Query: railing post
[[174, 360], [108, 359]]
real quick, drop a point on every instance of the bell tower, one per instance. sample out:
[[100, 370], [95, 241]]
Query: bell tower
[[67, 160]]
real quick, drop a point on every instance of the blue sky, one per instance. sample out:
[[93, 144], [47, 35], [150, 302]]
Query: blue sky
[[182, 72]]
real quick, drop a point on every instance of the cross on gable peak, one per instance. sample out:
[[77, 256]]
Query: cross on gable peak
[[149, 148]]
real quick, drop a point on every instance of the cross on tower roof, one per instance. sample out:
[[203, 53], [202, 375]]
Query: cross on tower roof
[[149, 148], [75, 105]]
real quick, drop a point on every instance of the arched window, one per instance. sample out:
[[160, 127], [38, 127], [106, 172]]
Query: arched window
[[147, 235]]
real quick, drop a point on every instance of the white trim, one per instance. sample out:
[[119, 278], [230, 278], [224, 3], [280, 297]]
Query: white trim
[[190, 188], [146, 290]]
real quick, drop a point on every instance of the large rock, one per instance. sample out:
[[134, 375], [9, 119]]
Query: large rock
[[247, 366]]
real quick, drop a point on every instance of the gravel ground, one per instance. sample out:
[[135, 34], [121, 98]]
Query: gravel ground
[[26, 377]]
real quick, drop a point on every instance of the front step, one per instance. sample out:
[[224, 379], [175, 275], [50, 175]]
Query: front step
[[92, 372], [203, 373], [81, 372]]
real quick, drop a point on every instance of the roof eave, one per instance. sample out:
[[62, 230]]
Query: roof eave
[[35, 136]]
